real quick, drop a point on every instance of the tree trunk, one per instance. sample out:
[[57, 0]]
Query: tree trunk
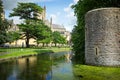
[[55, 44], [27, 41], [16, 43], [43, 44]]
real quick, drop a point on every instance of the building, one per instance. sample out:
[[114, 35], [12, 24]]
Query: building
[[54, 27], [102, 40]]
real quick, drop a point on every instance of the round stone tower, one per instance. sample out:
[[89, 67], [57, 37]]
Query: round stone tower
[[102, 41]]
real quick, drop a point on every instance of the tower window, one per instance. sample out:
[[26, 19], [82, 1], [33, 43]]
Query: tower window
[[96, 50], [117, 17]]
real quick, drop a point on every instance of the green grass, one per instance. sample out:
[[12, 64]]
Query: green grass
[[85, 72], [17, 52]]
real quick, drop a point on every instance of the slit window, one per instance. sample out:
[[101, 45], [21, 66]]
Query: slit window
[[96, 51]]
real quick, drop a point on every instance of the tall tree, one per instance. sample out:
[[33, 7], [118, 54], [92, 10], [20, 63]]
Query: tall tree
[[58, 38], [46, 36], [80, 9], [40, 32], [1, 7], [1, 22], [28, 12], [3, 26]]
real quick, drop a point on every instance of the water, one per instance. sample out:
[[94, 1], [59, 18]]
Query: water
[[41, 67]]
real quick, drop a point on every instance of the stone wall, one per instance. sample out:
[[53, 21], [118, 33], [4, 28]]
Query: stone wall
[[102, 45]]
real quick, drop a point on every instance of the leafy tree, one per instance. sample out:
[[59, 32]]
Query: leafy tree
[[47, 35], [4, 24], [58, 38], [1, 7], [28, 12], [42, 33], [13, 36], [1, 23], [80, 9], [63, 40]]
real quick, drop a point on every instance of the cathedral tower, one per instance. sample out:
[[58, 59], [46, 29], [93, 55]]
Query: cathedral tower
[[44, 13]]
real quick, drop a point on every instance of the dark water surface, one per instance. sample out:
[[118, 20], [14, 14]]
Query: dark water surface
[[42, 67]]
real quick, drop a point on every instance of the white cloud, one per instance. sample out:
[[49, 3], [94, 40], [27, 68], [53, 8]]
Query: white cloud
[[68, 9], [70, 16], [75, 1]]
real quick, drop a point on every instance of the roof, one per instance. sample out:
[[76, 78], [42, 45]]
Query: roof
[[56, 26]]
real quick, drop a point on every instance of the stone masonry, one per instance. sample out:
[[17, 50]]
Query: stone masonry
[[102, 41]]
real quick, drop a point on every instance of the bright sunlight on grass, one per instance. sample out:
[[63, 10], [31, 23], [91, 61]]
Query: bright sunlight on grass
[[28, 51], [85, 72]]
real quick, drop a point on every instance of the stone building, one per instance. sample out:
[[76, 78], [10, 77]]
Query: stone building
[[42, 16], [102, 42], [54, 27]]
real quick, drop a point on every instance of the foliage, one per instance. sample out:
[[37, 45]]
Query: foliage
[[4, 25], [1, 7], [80, 9], [29, 12], [42, 33], [58, 38], [12, 36]]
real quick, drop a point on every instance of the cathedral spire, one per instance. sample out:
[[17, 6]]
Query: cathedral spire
[[45, 8], [51, 20], [44, 13], [51, 23]]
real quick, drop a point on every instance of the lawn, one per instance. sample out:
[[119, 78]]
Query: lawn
[[85, 72], [17, 52]]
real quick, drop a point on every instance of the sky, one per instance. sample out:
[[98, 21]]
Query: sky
[[59, 10]]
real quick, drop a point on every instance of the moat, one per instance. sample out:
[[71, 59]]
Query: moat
[[41, 67]]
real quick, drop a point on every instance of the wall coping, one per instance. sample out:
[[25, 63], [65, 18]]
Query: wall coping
[[99, 9]]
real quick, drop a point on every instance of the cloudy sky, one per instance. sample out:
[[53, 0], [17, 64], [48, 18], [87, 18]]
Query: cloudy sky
[[59, 10]]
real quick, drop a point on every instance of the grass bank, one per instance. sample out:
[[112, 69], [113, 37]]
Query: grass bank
[[18, 52], [85, 72]]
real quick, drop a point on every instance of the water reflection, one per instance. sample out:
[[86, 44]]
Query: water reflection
[[41, 67]]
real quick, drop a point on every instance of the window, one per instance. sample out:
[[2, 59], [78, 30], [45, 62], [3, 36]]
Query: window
[[96, 51]]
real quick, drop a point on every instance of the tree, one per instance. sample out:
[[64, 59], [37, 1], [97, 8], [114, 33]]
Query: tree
[[41, 32], [58, 38], [80, 9], [4, 24], [1, 7], [13, 36], [47, 35], [28, 12], [1, 23]]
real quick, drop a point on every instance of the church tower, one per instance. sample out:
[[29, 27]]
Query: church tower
[[44, 13], [51, 23]]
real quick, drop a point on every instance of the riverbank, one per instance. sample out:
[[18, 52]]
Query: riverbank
[[22, 52], [86, 72]]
